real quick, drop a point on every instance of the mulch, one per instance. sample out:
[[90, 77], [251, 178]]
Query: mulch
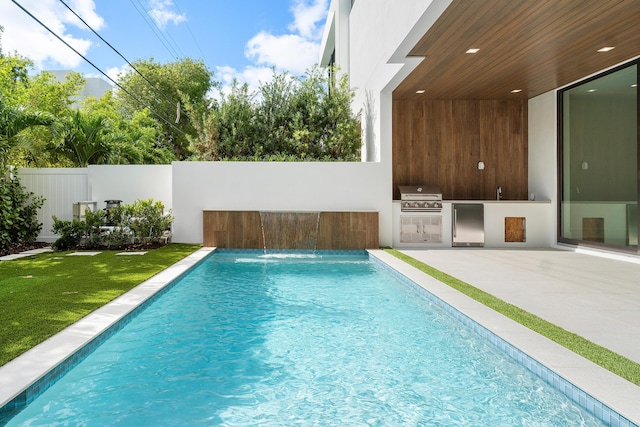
[[16, 249]]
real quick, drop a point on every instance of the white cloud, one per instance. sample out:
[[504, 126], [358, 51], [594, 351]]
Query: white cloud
[[162, 14], [252, 76], [297, 51], [294, 52], [115, 72], [27, 37], [308, 18], [86, 10], [289, 52]]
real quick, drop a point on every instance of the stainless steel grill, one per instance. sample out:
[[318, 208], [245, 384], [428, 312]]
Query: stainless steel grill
[[420, 198]]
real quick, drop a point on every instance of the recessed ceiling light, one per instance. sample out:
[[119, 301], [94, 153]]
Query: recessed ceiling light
[[634, 85], [516, 91], [473, 50], [606, 49], [421, 91], [592, 90]]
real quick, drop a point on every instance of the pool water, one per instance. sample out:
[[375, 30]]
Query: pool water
[[247, 339]]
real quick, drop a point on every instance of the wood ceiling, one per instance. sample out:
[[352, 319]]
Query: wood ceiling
[[531, 45]]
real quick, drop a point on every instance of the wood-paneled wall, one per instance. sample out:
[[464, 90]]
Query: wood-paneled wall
[[335, 230], [440, 142]]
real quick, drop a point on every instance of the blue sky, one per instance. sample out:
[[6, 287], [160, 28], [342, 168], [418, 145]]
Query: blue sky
[[239, 39]]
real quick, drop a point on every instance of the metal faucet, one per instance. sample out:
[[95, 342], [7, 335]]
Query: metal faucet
[[498, 192]]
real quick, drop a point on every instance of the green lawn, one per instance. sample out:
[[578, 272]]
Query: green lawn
[[42, 294], [614, 362]]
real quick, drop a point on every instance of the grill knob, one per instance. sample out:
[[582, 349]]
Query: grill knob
[[416, 204]]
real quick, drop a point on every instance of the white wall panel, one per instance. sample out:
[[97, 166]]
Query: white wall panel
[[130, 183], [287, 186]]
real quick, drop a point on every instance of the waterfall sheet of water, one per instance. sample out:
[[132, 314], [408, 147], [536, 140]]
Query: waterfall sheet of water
[[290, 230]]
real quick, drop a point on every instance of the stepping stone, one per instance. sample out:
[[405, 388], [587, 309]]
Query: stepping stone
[[132, 253], [13, 256], [84, 253], [38, 251], [25, 253]]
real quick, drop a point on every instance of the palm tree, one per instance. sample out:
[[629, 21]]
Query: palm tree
[[13, 121], [83, 140]]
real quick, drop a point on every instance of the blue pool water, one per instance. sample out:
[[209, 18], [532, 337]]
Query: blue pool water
[[245, 340]]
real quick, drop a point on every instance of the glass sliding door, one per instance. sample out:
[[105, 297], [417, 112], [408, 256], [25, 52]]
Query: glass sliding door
[[598, 156]]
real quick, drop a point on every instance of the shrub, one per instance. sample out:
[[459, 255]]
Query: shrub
[[71, 232], [147, 219], [143, 221], [18, 212]]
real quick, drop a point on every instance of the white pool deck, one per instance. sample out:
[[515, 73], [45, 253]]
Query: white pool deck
[[597, 297]]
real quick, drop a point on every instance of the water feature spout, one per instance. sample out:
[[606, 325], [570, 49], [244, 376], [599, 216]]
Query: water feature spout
[[289, 230]]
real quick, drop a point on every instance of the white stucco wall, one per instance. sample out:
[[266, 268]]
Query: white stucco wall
[[287, 186], [130, 182], [543, 157], [542, 146], [381, 34]]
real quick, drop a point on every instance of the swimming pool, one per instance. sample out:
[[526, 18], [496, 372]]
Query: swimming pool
[[302, 339]]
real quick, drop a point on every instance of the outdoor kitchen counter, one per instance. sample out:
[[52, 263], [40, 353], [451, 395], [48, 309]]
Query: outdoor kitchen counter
[[538, 222]]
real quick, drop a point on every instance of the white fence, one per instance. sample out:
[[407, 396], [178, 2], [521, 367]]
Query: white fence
[[60, 188], [188, 188]]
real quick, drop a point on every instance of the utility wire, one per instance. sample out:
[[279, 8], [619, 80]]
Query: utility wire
[[97, 68], [195, 41], [152, 25], [116, 51]]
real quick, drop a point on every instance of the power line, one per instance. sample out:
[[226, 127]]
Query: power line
[[154, 28], [97, 68], [116, 51], [195, 41]]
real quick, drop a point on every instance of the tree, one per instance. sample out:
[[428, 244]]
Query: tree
[[39, 99], [290, 118], [134, 141], [83, 140], [13, 121], [14, 77], [164, 90]]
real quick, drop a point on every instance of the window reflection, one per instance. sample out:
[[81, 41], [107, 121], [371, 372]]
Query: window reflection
[[599, 169]]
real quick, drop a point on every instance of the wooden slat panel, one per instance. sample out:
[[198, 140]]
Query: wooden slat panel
[[536, 46], [232, 229], [291, 230], [453, 136]]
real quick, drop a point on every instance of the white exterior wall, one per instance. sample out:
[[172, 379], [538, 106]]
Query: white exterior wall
[[130, 183], [188, 188], [543, 155], [287, 186], [381, 35]]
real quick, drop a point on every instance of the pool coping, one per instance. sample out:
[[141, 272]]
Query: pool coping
[[27, 370], [584, 378], [588, 379]]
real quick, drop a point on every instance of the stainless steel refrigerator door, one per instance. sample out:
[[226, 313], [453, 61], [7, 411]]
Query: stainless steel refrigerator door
[[468, 224]]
